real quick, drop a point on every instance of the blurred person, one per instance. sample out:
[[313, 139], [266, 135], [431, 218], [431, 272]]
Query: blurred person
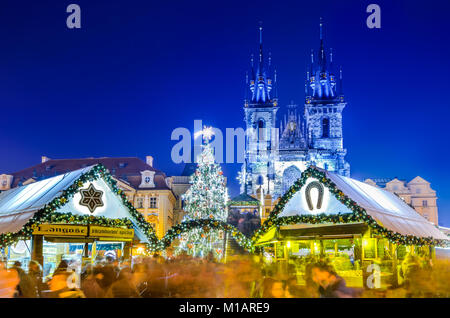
[[89, 284], [26, 287], [62, 267], [274, 288], [331, 285], [9, 279], [59, 286], [35, 274], [140, 272], [123, 287]]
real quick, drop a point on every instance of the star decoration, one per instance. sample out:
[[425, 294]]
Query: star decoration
[[91, 198]]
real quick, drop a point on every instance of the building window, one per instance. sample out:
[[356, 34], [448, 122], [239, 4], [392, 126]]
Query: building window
[[424, 203], [261, 126], [140, 203], [153, 203], [325, 128]]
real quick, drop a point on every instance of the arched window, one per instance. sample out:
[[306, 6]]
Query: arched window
[[325, 128], [261, 125]]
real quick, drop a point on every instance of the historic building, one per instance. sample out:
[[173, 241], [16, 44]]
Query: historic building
[[278, 151], [417, 193], [149, 189]]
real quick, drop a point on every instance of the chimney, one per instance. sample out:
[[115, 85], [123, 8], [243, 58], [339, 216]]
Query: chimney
[[45, 159], [149, 160]]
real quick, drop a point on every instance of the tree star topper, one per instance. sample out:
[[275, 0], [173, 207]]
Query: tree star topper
[[207, 133], [91, 198]]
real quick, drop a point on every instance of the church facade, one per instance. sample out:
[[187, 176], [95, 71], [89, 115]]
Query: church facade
[[277, 151]]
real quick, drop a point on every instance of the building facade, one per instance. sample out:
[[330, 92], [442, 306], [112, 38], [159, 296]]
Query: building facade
[[278, 151], [417, 193], [149, 189]]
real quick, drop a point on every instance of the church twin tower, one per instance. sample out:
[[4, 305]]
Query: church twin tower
[[275, 155]]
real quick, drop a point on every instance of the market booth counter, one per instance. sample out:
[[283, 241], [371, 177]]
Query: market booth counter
[[364, 231], [83, 209]]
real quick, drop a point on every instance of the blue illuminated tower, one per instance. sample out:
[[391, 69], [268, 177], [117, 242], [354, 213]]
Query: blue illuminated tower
[[260, 110], [324, 103]]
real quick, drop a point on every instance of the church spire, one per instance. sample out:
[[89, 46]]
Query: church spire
[[261, 81], [322, 55]]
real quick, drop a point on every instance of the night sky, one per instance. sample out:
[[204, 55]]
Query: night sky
[[136, 70]]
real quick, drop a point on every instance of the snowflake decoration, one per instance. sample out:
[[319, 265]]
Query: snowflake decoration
[[91, 198]]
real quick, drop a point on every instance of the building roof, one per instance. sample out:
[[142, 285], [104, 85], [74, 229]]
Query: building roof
[[381, 182], [18, 205], [386, 208], [127, 169], [244, 198]]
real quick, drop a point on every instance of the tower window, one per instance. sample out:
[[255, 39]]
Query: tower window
[[325, 128], [424, 203], [261, 127]]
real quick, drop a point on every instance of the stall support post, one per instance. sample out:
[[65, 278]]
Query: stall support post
[[394, 265], [127, 251], [86, 250], [37, 248]]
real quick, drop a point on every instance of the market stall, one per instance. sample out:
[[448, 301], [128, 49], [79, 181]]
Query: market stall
[[77, 215], [358, 227]]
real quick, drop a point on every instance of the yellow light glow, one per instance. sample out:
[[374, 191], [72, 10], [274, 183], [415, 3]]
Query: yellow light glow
[[288, 244], [140, 250], [365, 243]]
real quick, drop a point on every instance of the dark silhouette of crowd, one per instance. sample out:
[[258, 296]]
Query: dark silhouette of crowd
[[188, 277]]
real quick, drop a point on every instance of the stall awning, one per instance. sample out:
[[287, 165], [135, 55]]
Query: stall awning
[[18, 205], [386, 208]]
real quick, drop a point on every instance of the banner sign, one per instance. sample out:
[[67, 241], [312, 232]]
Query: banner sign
[[61, 230], [100, 231]]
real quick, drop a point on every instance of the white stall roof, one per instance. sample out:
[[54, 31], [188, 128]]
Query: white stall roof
[[386, 208], [18, 205]]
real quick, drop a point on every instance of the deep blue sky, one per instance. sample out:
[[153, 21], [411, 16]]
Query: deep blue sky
[[138, 69]]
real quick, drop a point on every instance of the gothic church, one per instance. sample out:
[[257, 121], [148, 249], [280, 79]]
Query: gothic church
[[276, 152]]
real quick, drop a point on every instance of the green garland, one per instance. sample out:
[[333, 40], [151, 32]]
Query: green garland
[[206, 224], [46, 214], [358, 214]]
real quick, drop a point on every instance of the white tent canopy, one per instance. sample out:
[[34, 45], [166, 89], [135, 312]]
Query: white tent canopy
[[18, 205], [386, 208]]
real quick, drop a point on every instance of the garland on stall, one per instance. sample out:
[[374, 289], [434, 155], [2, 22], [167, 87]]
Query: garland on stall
[[206, 225], [46, 214], [358, 214]]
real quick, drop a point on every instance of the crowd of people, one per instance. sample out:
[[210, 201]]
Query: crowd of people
[[180, 276]]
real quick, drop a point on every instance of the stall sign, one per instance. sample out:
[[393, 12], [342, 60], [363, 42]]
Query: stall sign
[[101, 231], [60, 230]]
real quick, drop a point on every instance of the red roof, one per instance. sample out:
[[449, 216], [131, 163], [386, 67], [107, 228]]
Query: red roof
[[127, 169]]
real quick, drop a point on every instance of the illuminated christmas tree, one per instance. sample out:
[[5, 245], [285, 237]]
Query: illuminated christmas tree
[[205, 199]]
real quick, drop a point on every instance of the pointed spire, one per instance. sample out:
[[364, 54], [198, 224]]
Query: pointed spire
[[260, 48], [253, 66], [322, 57]]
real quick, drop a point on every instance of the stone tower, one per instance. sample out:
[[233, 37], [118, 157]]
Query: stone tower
[[324, 103], [260, 110]]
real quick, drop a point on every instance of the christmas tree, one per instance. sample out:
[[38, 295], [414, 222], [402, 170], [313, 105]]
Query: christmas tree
[[205, 199]]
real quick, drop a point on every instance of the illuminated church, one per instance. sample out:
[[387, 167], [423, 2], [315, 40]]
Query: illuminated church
[[278, 150]]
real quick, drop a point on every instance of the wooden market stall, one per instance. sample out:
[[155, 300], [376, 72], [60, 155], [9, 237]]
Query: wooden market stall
[[82, 207], [358, 227]]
